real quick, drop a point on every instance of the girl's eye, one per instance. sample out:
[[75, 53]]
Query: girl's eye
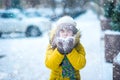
[[69, 31]]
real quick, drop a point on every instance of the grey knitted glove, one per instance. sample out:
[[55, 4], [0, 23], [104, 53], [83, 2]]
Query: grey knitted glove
[[59, 43], [68, 46]]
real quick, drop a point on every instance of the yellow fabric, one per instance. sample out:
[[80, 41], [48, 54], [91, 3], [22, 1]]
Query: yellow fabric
[[54, 59]]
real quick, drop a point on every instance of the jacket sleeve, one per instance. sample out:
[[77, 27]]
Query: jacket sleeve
[[77, 57], [53, 58]]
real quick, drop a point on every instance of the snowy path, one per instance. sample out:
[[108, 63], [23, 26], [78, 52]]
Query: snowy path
[[96, 67], [24, 59]]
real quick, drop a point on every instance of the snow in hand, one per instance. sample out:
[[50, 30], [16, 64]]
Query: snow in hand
[[65, 42]]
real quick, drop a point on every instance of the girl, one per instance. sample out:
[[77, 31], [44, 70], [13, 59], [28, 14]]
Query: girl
[[65, 55]]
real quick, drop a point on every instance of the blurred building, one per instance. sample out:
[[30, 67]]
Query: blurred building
[[46, 3], [24, 3], [9, 4]]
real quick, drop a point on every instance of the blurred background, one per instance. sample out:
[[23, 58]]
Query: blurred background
[[24, 36], [53, 8]]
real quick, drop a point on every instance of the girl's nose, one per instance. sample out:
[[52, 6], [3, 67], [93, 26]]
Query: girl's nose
[[65, 34]]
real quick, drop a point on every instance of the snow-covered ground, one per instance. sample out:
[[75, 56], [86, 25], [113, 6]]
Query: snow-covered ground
[[24, 57], [96, 67]]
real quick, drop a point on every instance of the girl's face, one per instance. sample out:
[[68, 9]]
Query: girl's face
[[64, 33]]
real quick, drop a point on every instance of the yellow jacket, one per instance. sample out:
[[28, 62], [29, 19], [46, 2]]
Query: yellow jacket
[[54, 59]]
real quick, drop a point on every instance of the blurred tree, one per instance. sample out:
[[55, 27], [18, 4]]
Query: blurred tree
[[115, 24], [83, 2], [15, 4], [73, 4], [34, 2], [108, 8], [52, 4], [0, 3], [7, 4], [73, 7]]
